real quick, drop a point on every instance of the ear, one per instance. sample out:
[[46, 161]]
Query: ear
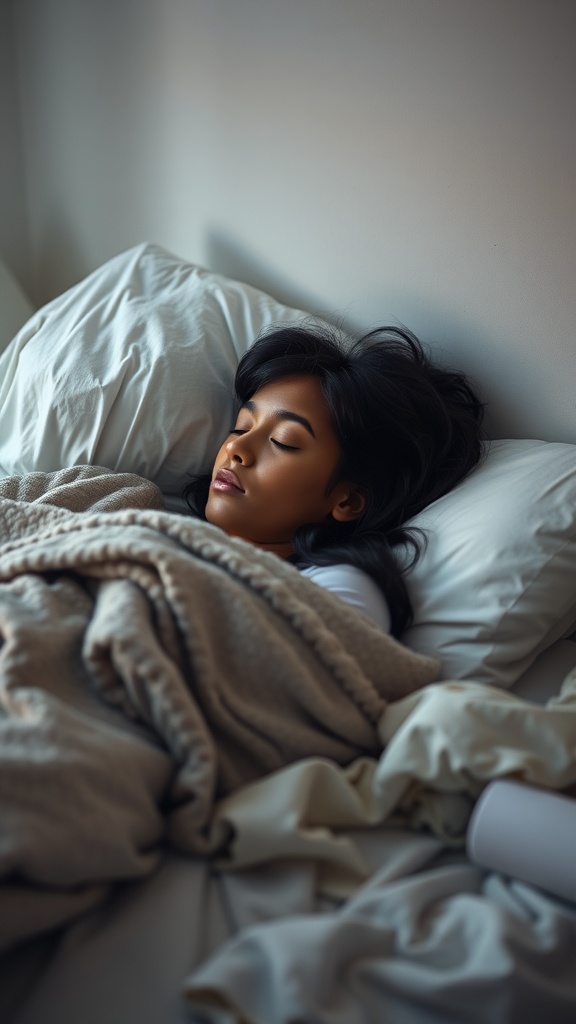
[[350, 503]]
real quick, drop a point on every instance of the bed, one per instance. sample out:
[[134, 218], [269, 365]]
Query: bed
[[338, 875]]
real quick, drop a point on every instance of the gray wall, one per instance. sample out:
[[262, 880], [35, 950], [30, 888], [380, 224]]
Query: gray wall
[[404, 160], [14, 234]]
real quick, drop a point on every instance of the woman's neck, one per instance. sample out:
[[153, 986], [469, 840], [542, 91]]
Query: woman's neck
[[282, 548]]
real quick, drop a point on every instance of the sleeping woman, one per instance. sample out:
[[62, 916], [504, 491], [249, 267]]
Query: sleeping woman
[[334, 449]]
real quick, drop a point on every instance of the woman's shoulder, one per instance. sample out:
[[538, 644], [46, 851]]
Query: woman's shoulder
[[355, 587]]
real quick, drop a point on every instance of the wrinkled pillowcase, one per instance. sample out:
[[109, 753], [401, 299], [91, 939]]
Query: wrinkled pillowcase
[[132, 369], [496, 584]]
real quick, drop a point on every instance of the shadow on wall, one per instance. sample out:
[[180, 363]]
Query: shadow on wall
[[59, 261], [225, 256]]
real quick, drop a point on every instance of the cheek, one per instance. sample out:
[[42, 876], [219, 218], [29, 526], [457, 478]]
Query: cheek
[[306, 492]]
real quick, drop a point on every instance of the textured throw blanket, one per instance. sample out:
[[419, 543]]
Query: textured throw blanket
[[148, 664]]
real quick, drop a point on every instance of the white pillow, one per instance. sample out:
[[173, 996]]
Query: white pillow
[[132, 369], [15, 308], [497, 582]]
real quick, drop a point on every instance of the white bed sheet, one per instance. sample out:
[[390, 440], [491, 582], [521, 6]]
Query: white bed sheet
[[544, 677], [430, 939]]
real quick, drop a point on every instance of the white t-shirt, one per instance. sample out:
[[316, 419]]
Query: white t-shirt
[[354, 587]]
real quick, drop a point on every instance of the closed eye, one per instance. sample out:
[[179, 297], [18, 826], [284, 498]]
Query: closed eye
[[284, 447], [278, 444]]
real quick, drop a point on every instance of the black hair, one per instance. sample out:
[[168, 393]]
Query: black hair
[[409, 431]]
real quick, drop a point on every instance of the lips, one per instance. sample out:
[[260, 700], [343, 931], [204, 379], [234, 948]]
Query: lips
[[226, 480]]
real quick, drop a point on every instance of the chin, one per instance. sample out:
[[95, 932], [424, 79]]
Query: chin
[[218, 517]]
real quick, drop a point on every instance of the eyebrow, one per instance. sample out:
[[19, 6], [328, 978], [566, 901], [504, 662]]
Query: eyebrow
[[285, 414]]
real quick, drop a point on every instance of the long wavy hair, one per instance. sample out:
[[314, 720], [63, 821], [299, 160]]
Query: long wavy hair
[[408, 430]]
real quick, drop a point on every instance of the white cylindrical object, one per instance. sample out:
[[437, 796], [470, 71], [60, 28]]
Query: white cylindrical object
[[527, 833]]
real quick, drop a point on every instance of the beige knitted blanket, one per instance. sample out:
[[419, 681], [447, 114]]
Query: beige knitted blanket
[[148, 664]]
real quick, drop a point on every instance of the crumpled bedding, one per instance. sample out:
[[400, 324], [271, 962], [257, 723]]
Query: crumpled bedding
[[410, 931], [441, 747], [428, 940], [352, 898], [148, 665]]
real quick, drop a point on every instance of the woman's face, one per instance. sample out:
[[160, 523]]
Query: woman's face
[[273, 472]]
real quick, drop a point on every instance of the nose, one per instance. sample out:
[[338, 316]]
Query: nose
[[240, 450]]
